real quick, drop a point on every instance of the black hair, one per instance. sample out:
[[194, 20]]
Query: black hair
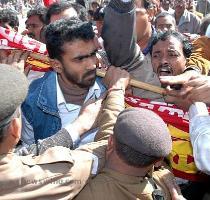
[[148, 4], [99, 14], [187, 46], [9, 16], [2, 134], [164, 14], [95, 2], [57, 8], [91, 13], [40, 11], [132, 157], [66, 30], [82, 3]]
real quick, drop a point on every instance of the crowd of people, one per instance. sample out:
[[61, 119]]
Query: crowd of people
[[66, 133]]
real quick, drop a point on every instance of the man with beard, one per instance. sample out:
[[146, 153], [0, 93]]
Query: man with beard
[[169, 56], [170, 51], [35, 22], [54, 101]]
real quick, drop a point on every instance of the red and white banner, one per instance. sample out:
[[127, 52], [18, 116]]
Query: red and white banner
[[181, 158], [13, 40]]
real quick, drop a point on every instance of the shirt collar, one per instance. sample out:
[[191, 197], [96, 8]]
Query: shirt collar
[[123, 177], [184, 18], [60, 97], [94, 92]]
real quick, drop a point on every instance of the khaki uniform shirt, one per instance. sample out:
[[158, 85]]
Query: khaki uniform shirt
[[111, 185], [59, 173]]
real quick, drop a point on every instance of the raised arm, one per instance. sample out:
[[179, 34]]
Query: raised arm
[[119, 35]]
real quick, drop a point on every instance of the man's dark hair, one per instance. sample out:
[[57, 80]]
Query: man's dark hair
[[204, 24], [95, 2], [40, 11], [148, 4], [187, 46], [99, 14], [164, 14], [133, 157], [58, 7], [66, 30], [83, 3], [2, 133], [91, 13], [10, 17]]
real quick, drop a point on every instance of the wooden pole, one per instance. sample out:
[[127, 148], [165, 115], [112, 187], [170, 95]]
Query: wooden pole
[[137, 84], [100, 73]]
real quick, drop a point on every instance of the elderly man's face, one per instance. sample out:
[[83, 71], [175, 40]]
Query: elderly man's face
[[165, 4], [34, 26], [168, 57], [165, 23], [180, 6]]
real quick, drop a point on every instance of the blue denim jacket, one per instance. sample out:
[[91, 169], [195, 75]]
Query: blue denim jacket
[[40, 106]]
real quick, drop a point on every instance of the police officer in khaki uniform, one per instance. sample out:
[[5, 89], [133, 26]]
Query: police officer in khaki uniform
[[58, 173], [140, 140]]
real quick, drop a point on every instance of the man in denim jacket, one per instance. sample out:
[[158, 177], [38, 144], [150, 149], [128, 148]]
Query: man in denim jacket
[[54, 101]]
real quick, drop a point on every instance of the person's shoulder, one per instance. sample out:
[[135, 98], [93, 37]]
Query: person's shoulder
[[202, 41], [193, 16], [39, 81], [37, 84], [97, 188], [50, 156]]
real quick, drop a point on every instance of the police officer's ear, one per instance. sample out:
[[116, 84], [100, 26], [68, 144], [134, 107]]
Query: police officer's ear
[[56, 65], [15, 130], [12, 134], [110, 146]]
